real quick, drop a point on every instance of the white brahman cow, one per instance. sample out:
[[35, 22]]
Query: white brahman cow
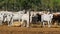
[[8, 18], [17, 16], [47, 17], [25, 17]]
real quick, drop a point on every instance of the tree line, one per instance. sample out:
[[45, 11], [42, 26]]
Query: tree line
[[38, 5]]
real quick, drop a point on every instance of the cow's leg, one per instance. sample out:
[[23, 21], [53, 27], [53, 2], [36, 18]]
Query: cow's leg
[[48, 23], [8, 23], [0, 22], [11, 21], [27, 24], [22, 23], [43, 23], [4, 19], [19, 20]]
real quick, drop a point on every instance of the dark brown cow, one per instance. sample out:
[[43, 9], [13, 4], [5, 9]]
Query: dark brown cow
[[56, 18]]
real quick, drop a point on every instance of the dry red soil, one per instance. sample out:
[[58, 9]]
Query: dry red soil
[[4, 29]]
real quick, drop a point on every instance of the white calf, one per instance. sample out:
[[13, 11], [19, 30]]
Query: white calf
[[26, 17], [9, 18], [21, 13], [18, 15], [47, 17]]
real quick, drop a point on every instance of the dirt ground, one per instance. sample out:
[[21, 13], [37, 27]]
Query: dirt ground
[[4, 29]]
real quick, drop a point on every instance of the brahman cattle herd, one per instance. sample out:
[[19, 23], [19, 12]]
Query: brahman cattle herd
[[30, 17]]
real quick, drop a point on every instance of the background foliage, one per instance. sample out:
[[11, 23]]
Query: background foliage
[[16, 5]]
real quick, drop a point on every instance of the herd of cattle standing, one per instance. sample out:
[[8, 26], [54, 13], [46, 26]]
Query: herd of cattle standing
[[21, 16]]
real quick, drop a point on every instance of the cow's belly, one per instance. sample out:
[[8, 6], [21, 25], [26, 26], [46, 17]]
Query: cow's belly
[[25, 18], [46, 19], [15, 18]]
